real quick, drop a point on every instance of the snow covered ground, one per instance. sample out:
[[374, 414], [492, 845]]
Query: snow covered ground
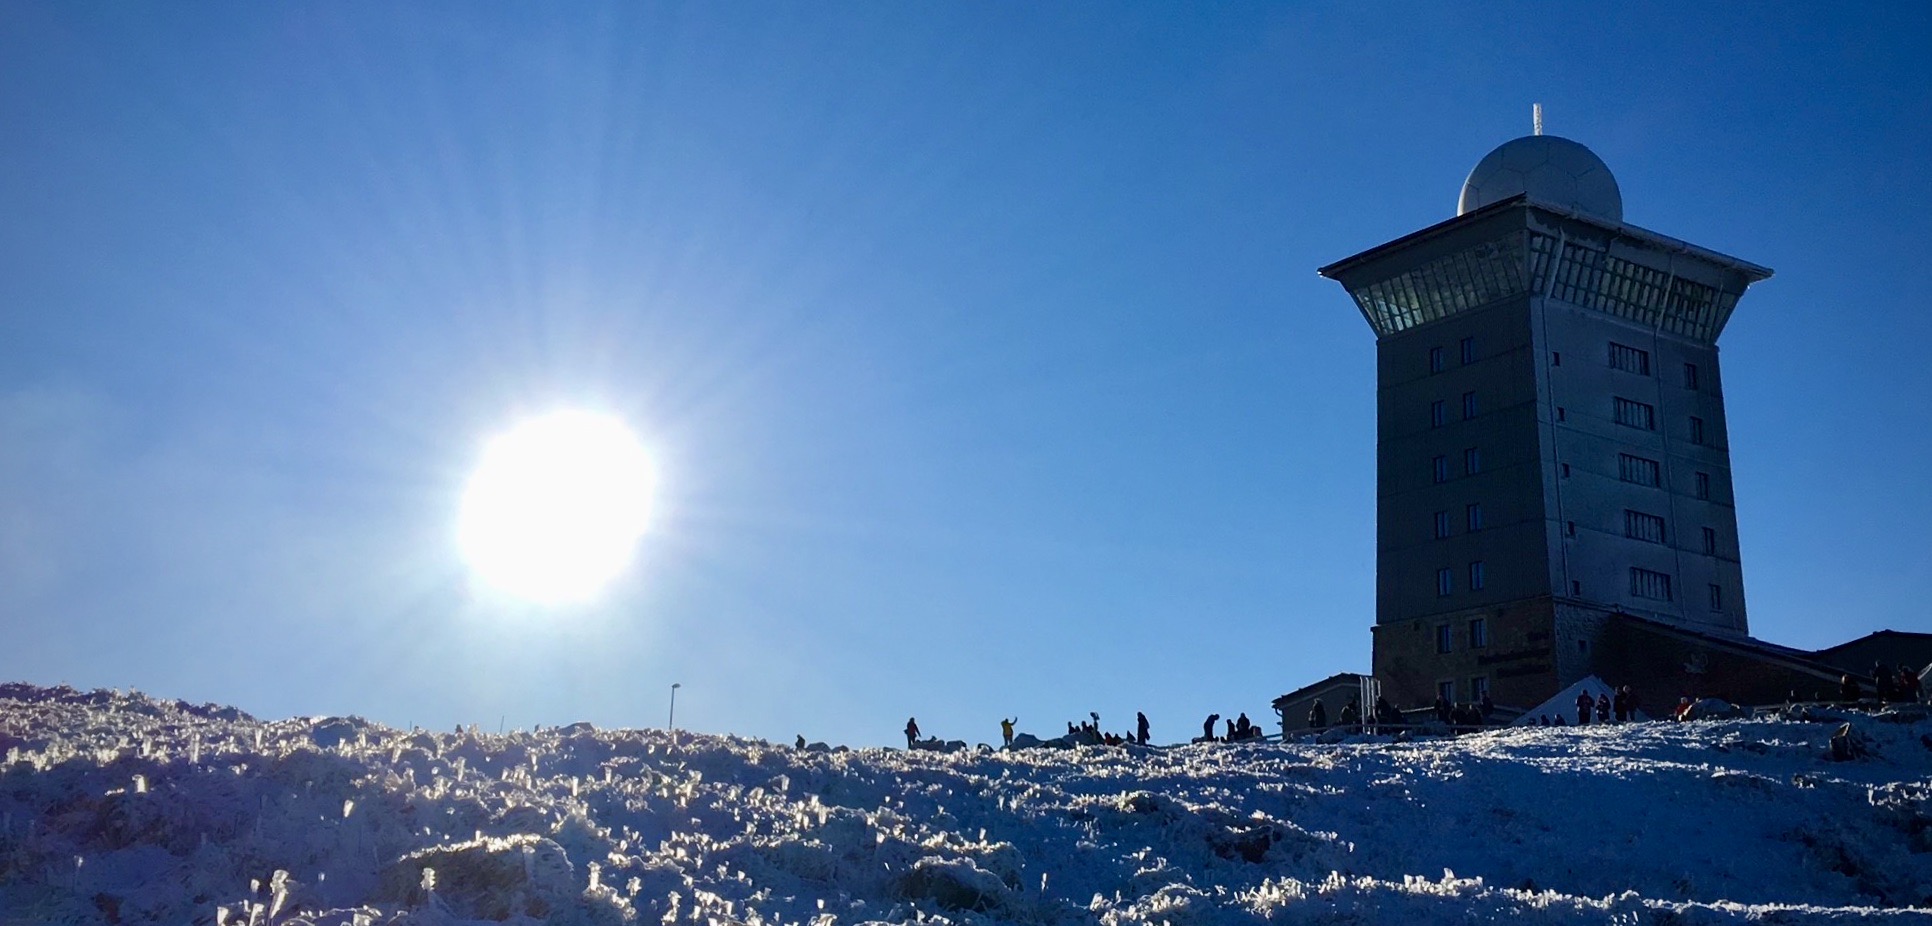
[[126, 809]]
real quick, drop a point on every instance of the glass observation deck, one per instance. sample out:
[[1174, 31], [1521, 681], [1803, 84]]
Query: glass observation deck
[[1581, 270]]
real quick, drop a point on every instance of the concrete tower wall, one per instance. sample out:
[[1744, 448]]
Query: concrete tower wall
[[1600, 468], [1486, 420]]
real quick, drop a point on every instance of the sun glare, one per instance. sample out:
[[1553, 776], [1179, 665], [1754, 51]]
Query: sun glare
[[556, 506]]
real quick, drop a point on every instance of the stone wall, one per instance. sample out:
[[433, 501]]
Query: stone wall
[[1518, 660]]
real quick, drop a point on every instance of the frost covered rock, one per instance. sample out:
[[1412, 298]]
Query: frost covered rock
[[488, 878], [1848, 744], [329, 732], [956, 884]]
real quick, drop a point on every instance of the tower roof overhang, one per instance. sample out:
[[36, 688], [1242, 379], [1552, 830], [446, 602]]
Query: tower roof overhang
[[1519, 246]]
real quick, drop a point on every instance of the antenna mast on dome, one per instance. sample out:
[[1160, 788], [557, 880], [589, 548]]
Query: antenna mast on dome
[[1536, 118]]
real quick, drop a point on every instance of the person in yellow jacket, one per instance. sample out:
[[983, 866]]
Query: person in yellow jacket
[[1006, 729]]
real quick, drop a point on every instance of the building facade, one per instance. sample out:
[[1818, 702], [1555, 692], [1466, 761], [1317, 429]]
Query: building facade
[[1552, 447]]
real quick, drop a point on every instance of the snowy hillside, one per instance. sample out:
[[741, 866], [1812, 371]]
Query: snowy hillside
[[124, 809]]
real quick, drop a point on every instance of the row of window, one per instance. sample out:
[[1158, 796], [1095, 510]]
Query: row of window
[[1640, 470], [1438, 359], [1657, 586], [1634, 469], [1472, 519], [1478, 689], [1439, 410], [1622, 357], [1636, 360], [1472, 463], [1634, 414], [1446, 579], [1643, 471], [1478, 637], [1647, 527], [1644, 583]]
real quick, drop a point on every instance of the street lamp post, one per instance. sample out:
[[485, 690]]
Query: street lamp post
[[672, 722]]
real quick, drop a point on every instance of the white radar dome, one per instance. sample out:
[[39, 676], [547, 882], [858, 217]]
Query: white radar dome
[[1550, 169]]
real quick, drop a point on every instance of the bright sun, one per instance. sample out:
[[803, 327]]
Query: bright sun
[[556, 506]]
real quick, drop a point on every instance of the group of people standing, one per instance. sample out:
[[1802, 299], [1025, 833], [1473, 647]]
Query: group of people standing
[[1888, 685], [1086, 731], [1090, 732], [1239, 729], [1384, 713], [1623, 707]]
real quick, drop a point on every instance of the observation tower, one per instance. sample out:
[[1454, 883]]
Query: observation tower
[[1551, 442]]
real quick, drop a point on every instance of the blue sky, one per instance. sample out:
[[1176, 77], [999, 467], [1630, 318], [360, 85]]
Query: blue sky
[[980, 344]]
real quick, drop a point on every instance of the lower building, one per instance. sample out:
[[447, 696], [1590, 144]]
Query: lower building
[[1522, 652], [1334, 692]]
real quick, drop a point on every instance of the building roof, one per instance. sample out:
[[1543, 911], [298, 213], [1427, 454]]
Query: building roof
[[1904, 635], [1753, 272], [1352, 677], [1796, 659], [1896, 646]]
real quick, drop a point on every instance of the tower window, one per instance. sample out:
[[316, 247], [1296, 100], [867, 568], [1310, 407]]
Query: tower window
[[1566, 470], [1560, 414], [1435, 359], [1468, 405], [1446, 691], [1642, 471], [1697, 430], [1445, 581], [1690, 376], [1440, 467], [1442, 524], [1647, 584], [1478, 633], [1633, 414], [1476, 576], [1569, 528], [1710, 541], [1437, 414], [1576, 589], [1443, 642], [1472, 461], [1473, 516], [1556, 358], [1479, 688], [1629, 359], [1468, 350], [1648, 528], [1704, 486], [1717, 598]]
